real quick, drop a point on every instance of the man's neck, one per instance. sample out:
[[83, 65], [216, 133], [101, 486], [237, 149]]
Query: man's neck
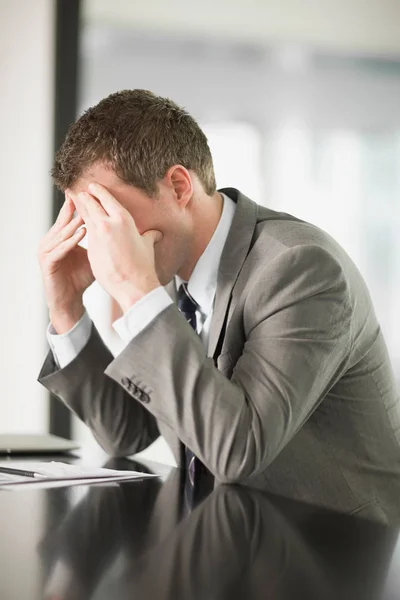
[[207, 213]]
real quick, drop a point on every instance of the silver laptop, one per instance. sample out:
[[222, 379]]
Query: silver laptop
[[16, 443]]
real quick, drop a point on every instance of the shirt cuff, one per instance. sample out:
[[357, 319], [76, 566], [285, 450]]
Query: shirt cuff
[[140, 315], [67, 346]]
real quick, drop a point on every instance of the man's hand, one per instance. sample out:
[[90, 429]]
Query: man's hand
[[122, 260], [65, 269]]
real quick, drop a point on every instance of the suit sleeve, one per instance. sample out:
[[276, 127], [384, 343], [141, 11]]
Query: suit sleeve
[[297, 323], [117, 419]]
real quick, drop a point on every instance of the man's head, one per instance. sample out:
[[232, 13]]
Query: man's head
[[139, 136], [152, 156]]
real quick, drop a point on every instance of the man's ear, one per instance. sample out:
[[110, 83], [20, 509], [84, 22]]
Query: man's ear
[[179, 179]]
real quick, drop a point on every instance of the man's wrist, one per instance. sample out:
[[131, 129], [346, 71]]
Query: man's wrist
[[129, 294], [64, 320], [140, 315]]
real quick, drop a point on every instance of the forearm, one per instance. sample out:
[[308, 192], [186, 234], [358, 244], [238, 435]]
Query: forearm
[[119, 423], [208, 413]]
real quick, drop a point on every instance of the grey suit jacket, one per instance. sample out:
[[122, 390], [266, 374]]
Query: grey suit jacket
[[296, 394]]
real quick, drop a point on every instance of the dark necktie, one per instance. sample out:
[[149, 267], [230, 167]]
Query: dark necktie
[[188, 306], [194, 467]]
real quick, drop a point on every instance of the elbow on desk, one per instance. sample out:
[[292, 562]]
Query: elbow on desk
[[238, 467]]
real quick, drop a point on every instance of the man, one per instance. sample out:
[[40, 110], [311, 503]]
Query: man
[[272, 370]]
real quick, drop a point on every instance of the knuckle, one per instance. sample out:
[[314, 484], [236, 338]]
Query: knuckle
[[104, 227], [119, 217]]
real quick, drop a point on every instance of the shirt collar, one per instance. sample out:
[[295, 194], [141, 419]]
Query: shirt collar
[[202, 284]]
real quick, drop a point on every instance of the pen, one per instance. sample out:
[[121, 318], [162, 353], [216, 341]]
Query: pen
[[21, 472]]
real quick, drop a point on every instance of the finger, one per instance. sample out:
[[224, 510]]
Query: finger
[[154, 235], [65, 214], [108, 202], [57, 237], [54, 238], [61, 251], [88, 208], [80, 207], [92, 206]]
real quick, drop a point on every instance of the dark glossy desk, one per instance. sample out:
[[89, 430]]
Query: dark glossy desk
[[120, 542]]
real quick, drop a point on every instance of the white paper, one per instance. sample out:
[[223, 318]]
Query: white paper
[[54, 474]]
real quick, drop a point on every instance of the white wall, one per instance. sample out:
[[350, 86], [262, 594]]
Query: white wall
[[26, 101]]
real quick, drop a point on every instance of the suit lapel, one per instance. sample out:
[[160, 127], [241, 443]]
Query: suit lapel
[[236, 249]]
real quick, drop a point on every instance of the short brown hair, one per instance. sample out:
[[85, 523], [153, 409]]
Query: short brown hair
[[140, 136]]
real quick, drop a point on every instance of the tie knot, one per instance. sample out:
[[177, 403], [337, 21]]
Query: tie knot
[[185, 301]]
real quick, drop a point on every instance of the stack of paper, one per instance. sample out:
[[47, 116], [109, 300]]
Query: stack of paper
[[54, 474]]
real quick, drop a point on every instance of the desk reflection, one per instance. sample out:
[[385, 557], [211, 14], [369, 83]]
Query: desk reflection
[[129, 541]]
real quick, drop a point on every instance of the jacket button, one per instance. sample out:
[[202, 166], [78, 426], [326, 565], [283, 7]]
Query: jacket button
[[126, 382], [143, 397]]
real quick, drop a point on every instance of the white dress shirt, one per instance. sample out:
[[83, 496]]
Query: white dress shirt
[[202, 286]]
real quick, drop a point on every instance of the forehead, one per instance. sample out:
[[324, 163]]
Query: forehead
[[127, 195], [98, 173]]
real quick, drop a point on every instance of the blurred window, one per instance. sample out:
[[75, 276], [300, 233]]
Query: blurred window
[[237, 153]]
